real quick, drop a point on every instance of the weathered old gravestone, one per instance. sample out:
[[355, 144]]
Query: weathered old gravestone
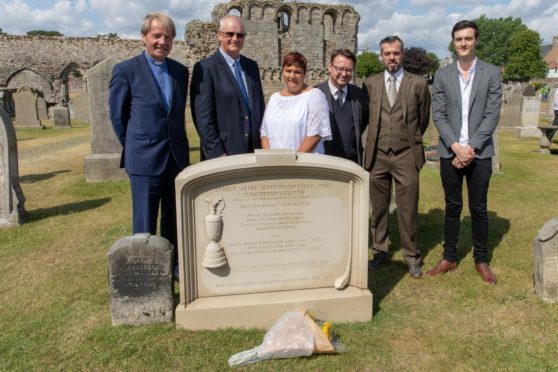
[[61, 117], [510, 117], [12, 201], [104, 162], [26, 109], [530, 112], [545, 251], [140, 280], [42, 111], [261, 234], [79, 107]]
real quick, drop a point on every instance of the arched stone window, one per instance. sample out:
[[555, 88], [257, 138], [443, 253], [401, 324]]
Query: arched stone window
[[283, 20]]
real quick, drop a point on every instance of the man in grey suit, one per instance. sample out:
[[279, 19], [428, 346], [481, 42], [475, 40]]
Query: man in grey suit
[[466, 100], [348, 109], [399, 105]]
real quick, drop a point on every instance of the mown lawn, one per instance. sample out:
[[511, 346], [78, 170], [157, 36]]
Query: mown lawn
[[54, 312]]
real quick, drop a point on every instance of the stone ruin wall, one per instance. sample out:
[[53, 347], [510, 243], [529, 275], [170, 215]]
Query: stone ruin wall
[[274, 28]]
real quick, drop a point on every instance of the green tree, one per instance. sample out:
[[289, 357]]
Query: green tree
[[2, 32], [43, 33], [368, 63], [494, 35], [110, 35], [417, 61], [435, 62], [525, 61]]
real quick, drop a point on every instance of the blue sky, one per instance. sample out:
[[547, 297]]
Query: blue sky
[[424, 23]]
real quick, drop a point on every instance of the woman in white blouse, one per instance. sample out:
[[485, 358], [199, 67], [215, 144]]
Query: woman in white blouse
[[296, 117]]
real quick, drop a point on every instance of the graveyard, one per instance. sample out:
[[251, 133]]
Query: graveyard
[[54, 304]]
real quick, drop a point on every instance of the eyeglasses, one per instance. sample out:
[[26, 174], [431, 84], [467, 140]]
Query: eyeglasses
[[340, 70], [239, 35]]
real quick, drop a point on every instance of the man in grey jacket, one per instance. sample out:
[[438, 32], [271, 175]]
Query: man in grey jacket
[[466, 99]]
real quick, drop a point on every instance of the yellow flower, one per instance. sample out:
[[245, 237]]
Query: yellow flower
[[327, 331]]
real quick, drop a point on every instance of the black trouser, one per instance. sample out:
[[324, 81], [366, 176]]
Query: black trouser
[[477, 175]]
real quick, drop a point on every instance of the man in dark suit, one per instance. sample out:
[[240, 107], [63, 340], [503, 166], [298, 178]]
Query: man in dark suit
[[147, 103], [399, 105], [226, 96], [348, 109], [466, 109]]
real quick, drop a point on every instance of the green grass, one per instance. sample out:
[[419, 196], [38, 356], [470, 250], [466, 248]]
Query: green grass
[[54, 312]]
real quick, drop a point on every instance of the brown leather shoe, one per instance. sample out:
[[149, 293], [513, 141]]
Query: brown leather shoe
[[442, 267], [486, 274]]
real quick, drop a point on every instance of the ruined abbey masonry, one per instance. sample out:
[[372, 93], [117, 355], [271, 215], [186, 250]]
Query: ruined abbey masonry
[[274, 28]]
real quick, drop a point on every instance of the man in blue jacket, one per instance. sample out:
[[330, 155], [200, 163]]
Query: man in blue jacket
[[147, 103]]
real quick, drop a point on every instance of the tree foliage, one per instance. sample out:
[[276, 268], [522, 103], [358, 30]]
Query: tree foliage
[[43, 33], [2, 32], [110, 35], [368, 63], [494, 46], [507, 42], [525, 62], [418, 62]]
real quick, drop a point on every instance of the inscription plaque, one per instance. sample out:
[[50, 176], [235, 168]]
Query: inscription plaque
[[140, 280]]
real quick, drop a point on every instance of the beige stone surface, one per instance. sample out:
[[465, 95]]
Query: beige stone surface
[[261, 310], [286, 223]]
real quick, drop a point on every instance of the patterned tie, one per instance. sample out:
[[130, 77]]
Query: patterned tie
[[238, 77], [392, 91], [339, 97]]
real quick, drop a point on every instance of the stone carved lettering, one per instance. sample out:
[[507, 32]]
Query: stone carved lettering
[[313, 213]]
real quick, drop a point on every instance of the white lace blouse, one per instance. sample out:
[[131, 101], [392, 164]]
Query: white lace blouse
[[288, 119]]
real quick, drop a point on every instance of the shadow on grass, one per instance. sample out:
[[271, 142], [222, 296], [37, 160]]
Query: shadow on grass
[[383, 280], [498, 227], [42, 213], [32, 178]]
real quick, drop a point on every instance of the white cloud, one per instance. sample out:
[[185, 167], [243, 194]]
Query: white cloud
[[424, 23], [63, 16]]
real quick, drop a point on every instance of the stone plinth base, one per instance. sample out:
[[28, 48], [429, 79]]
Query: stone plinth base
[[527, 132], [103, 167], [261, 310]]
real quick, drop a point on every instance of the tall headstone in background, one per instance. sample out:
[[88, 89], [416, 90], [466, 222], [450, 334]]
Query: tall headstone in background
[[140, 280], [512, 98], [104, 162], [79, 107], [530, 112], [545, 252], [42, 112], [12, 201], [265, 233], [61, 117], [26, 109]]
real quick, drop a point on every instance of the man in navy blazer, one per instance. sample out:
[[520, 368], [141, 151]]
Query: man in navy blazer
[[226, 96], [466, 99], [147, 103]]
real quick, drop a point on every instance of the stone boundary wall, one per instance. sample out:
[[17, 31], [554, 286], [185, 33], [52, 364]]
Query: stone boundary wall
[[48, 64]]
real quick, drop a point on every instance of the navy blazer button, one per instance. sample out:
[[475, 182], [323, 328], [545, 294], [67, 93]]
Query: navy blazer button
[[246, 118]]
